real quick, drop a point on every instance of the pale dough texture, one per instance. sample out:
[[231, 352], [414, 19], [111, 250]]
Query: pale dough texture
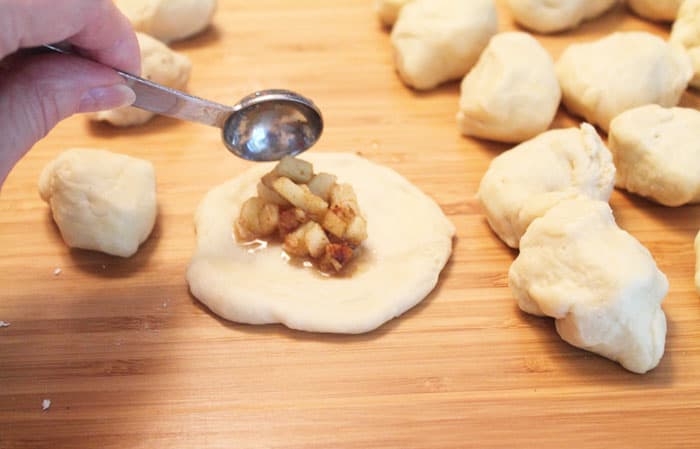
[[661, 10], [597, 281], [686, 32], [440, 40], [604, 78], [409, 242], [159, 64], [388, 10], [100, 200], [521, 184], [513, 78], [657, 153], [552, 16], [168, 20]]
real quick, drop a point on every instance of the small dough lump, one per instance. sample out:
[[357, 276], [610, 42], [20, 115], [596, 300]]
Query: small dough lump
[[686, 32], [159, 64], [552, 16], [100, 200], [436, 41], [168, 20], [597, 281], [388, 10], [409, 241], [661, 10], [657, 153], [523, 183], [604, 78], [513, 77]]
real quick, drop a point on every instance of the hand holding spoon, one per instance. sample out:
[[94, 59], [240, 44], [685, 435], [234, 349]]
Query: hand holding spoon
[[264, 126]]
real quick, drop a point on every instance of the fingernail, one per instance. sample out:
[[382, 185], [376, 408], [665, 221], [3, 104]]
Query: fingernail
[[104, 98]]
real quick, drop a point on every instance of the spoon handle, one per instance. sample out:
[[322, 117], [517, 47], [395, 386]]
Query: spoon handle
[[163, 100]]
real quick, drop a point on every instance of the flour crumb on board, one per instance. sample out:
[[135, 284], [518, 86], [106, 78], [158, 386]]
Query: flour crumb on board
[[45, 404], [57, 271], [4, 323]]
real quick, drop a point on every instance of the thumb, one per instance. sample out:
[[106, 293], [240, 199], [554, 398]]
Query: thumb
[[37, 92]]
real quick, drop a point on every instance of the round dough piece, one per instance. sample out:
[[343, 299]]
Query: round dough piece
[[661, 10], [604, 78], [409, 242], [388, 10], [523, 183], [686, 33], [513, 77], [100, 200], [657, 153], [436, 41], [168, 20], [159, 64], [597, 281], [553, 16]]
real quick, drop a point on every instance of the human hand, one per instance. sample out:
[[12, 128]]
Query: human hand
[[37, 91]]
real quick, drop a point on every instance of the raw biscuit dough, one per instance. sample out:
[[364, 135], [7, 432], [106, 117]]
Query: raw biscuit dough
[[513, 78], [388, 10], [159, 64], [552, 16], [661, 10], [440, 40], [604, 78], [168, 20], [100, 200], [657, 153], [521, 184], [597, 281], [409, 242], [686, 32]]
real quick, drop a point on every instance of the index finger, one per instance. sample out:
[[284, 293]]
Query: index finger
[[95, 26]]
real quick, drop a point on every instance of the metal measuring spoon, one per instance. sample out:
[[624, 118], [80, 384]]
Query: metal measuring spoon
[[264, 126]]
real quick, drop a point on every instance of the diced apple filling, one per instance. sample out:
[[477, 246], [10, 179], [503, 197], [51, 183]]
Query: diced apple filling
[[314, 216]]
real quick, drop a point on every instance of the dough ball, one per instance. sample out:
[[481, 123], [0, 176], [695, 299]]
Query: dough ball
[[661, 10], [597, 281], [100, 200], [440, 40], [168, 20], [657, 153], [513, 77], [409, 241], [697, 262], [552, 16], [686, 33], [388, 10], [159, 64], [604, 78], [523, 183]]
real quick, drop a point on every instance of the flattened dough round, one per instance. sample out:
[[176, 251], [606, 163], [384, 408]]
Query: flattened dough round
[[602, 79], [409, 242]]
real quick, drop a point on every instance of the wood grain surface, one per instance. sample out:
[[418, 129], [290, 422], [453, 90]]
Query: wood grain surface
[[129, 359]]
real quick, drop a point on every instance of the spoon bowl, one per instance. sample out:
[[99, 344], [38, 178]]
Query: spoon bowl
[[271, 124]]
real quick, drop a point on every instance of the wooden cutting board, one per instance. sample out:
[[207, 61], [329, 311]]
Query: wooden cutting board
[[129, 359]]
